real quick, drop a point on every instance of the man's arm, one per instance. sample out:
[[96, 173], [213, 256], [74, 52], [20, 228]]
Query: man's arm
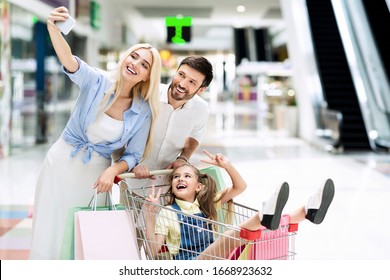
[[142, 171], [189, 148]]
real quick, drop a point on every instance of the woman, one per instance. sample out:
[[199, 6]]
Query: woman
[[111, 112], [194, 193]]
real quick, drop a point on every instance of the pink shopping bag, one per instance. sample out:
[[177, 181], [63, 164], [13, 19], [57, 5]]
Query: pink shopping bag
[[272, 244], [105, 235]]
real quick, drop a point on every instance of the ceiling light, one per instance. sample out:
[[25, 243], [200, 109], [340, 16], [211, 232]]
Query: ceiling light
[[240, 9]]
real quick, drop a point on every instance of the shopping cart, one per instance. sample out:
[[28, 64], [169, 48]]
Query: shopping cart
[[239, 243]]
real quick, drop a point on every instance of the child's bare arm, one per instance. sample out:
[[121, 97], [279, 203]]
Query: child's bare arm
[[151, 209], [238, 183]]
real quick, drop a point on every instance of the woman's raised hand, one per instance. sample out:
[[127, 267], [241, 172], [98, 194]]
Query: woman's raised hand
[[58, 14]]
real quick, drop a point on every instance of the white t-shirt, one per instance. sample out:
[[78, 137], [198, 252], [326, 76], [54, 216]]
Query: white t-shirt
[[105, 129], [173, 127], [171, 130]]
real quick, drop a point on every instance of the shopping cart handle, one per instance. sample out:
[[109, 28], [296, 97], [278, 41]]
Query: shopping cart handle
[[122, 176], [293, 228], [250, 234]]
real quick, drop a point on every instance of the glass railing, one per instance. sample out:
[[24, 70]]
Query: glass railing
[[369, 77]]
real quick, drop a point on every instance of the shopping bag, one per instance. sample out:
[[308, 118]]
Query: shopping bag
[[216, 173], [105, 235], [242, 252], [67, 248], [272, 245]]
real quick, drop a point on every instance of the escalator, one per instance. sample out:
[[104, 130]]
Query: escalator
[[378, 18], [335, 76], [378, 15]]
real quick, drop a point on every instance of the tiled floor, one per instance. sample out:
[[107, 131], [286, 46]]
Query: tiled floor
[[356, 227], [15, 232]]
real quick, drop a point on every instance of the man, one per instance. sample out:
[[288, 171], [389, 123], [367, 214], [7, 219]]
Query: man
[[182, 120]]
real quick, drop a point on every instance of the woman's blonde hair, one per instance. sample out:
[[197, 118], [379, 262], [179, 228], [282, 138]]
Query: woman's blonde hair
[[147, 90]]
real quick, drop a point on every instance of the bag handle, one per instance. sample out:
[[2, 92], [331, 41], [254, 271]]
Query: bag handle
[[94, 201]]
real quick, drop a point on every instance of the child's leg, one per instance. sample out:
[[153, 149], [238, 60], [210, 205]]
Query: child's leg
[[269, 217], [298, 215], [221, 247], [272, 208], [316, 207], [318, 204]]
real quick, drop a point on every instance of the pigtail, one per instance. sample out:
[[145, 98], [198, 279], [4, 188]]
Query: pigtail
[[228, 219], [206, 196]]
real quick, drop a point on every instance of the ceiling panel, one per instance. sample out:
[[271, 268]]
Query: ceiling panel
[[217, 17], [161, 12]]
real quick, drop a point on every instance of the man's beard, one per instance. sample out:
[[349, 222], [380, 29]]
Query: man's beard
[[182, 96]]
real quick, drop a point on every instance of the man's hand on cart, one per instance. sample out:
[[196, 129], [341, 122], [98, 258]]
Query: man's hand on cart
[[142, 172], [176, 164], [153, 198], [152, 174]]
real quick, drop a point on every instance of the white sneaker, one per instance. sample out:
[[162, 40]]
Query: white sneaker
[[318, 203], [272, 208]]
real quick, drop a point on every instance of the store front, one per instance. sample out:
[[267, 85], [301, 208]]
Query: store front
[[36, 98], [5, 80]]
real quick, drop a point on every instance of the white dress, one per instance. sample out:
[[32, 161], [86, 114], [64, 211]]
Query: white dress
[[66, 182]]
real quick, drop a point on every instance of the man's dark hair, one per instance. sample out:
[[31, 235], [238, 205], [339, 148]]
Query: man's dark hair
[[202, 65]]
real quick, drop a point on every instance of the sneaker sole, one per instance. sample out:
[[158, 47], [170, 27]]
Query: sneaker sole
[[280, 203], [327, 197]]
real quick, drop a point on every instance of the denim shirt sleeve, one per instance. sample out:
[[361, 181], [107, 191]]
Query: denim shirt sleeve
[[93, 84], [85, 76], [136, 145]]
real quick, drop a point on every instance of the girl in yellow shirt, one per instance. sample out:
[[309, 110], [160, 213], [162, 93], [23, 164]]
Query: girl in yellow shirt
[[194, 193]]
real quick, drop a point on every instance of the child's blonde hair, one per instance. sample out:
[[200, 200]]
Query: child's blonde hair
[[206, 196]]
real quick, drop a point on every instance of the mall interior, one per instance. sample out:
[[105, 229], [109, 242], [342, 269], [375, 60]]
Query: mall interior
[[300, 94]]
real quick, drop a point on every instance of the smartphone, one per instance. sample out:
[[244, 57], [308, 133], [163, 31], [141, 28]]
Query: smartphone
[[66, 26]]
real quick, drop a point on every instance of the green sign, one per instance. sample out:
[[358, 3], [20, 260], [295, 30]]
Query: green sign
[[95, 13], [178, 29]]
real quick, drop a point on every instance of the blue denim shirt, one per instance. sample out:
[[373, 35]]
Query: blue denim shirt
[[93, 84]]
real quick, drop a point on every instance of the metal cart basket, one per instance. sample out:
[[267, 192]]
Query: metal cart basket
[[239, 243]]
